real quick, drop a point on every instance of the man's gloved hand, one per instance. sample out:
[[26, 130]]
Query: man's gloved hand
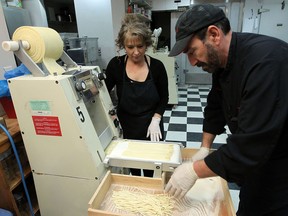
[[182, 180], [200, 154], [154, 130]]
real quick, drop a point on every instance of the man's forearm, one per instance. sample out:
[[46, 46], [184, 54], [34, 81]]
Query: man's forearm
[[202, 170], [207, 139], [200, 166]]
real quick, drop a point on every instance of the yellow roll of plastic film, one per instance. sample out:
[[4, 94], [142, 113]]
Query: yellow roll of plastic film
[[46, 46]]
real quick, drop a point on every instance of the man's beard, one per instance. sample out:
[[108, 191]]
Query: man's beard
[[213, 63]]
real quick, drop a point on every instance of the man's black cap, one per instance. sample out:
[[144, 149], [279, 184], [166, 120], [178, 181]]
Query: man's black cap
[[192, 20]]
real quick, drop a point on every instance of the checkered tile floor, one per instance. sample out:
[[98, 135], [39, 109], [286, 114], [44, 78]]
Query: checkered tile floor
[[183, 123]]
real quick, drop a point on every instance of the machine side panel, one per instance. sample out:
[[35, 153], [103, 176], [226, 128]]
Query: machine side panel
[[63, 196], [74, 149]]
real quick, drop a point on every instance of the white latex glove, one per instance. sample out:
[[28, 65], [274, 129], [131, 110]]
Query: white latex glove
[[200, 154], [182, 180], [154, 130]]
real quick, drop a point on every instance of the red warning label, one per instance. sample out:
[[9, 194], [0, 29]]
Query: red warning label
[[47, 125]]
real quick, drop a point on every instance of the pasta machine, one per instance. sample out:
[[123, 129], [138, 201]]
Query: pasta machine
[[68, 123]]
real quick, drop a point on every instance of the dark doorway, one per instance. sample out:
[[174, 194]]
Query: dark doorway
[[162, 19]]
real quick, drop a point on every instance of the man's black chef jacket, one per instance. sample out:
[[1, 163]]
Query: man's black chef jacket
[[251, 96]]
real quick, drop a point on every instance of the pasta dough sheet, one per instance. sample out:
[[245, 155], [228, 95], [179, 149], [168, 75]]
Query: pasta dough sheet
[[145, 151], [46, 46]]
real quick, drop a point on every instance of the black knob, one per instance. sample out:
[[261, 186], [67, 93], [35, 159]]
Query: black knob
[[101, 76]]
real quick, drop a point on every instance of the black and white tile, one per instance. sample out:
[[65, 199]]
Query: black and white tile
[[183, 123]]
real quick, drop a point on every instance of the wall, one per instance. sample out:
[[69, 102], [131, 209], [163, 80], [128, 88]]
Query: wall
[[98, 18], [251, 16], [158, 5], [118, 12], [272, 21], [274, 25], [38, 18], [7, 58], [37, 12]]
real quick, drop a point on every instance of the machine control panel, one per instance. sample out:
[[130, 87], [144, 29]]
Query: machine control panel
[[86, 83]]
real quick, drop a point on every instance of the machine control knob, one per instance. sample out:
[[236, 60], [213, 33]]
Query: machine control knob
[[101, 76], [112, 112], [80, 85], [116, 123]]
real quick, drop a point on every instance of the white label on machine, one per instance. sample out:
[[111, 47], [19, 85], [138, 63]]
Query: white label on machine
[[40, 107]]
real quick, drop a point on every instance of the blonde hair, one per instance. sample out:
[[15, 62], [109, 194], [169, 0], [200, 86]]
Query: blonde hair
[[134, 25]]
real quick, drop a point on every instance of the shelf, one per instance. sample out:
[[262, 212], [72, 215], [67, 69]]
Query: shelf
[[17, 181], [10, 178], [142, 7], [142, 3], [22, 203], [145, 18], [13, 129], [34, 200], [61, 15], [61, 22]]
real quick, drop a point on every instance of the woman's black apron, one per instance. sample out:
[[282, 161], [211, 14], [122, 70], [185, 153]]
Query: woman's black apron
[[137, 105]]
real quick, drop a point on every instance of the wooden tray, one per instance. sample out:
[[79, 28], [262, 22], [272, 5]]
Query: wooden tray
[[125, 180], [94, 205]]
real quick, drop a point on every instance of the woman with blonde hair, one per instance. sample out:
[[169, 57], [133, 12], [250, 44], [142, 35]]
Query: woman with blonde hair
[[141, 84]]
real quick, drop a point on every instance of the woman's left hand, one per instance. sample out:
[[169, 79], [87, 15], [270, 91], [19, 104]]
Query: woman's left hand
[[154, 130]]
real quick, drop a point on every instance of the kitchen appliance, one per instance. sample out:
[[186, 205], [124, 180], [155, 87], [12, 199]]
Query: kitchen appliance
[[84, 51], [67, 121]]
